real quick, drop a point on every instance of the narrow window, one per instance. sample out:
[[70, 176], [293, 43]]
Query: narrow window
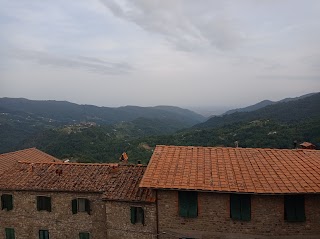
[[44, 203], [43, 234], [188, 204], [10, 233], [137, 215], [84, 235], [240, 207], [6, 202], [294, 208], [80, 205]]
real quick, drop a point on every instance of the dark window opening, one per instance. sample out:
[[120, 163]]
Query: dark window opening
[[240, 207], [43, 234], [44, 203], [137, 215], [10, 233], [188, 204], [84, 235], [294, 210], [80, 205], [6, 202]]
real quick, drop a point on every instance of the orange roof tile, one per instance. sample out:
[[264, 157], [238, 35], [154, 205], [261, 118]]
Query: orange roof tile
[[124, 186], [120, 182], [7, 160], [242, 170]]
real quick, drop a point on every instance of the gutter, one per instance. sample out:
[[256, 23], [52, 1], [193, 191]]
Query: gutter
[[157, 214]]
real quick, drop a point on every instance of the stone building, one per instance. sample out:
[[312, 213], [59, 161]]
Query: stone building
[[52, 199], [185, 192], [218, 192]]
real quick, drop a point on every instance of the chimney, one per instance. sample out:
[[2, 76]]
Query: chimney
[[124, 158], [295, 143], [236, 144]]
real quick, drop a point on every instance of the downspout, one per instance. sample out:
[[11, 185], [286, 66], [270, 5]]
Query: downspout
[[157, 216]]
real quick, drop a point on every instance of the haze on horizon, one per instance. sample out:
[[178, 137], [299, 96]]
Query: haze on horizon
[[148, 52]]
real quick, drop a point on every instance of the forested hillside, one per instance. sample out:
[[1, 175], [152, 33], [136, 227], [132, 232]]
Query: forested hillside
[[275, 126], [285, 112], [21, 119]]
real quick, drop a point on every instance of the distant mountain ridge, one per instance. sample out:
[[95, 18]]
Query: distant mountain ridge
[[21, 118], [273, 126], [288, 111], [66, 112], [265, 103]]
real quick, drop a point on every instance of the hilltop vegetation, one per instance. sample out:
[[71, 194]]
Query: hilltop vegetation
[[284, 112], [21, 119], [274, 126]]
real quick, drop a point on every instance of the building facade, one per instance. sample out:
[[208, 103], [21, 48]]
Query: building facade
[[206, 192], [185, 192], [54, 200]]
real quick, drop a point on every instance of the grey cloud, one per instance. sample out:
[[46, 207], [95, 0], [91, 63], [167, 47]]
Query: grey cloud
[[302, 78], [313, 61], [183, 24], [89, 63]]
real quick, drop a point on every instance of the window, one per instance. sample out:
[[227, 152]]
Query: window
[[44, 203], [137, 215], [84, 235], [6, 202], [294, 208], [188, 204], [80, 205], [43, 234], [240, 207], [10, 233]]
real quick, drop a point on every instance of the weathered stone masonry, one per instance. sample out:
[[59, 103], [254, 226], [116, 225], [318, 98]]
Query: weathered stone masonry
[[60, 222], [213, 220]]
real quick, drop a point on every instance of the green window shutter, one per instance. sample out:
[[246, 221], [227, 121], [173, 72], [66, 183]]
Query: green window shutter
[[235, 207], [142, 216], [39, 203], [3, 206], [48, 203], [10, 234], [6, 202], [245, 207], [84, 235], [133, 212], [193, 204], [74, 206], [87, 206], [9, 202], [43, 234], [183, 204], [299, 209], [289, 207]]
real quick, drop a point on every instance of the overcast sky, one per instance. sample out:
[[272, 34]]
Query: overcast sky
[[165, 52]]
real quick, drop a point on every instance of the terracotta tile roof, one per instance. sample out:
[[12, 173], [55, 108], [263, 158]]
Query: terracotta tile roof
[[120, 182], [7, 160], [124, 186], [242, 170]]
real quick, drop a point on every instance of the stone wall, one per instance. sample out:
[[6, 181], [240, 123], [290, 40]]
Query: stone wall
[[213, 221], [119, 225], [60, 222]]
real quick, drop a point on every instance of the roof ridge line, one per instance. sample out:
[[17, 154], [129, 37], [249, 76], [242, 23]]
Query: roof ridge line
[[20, 150]]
